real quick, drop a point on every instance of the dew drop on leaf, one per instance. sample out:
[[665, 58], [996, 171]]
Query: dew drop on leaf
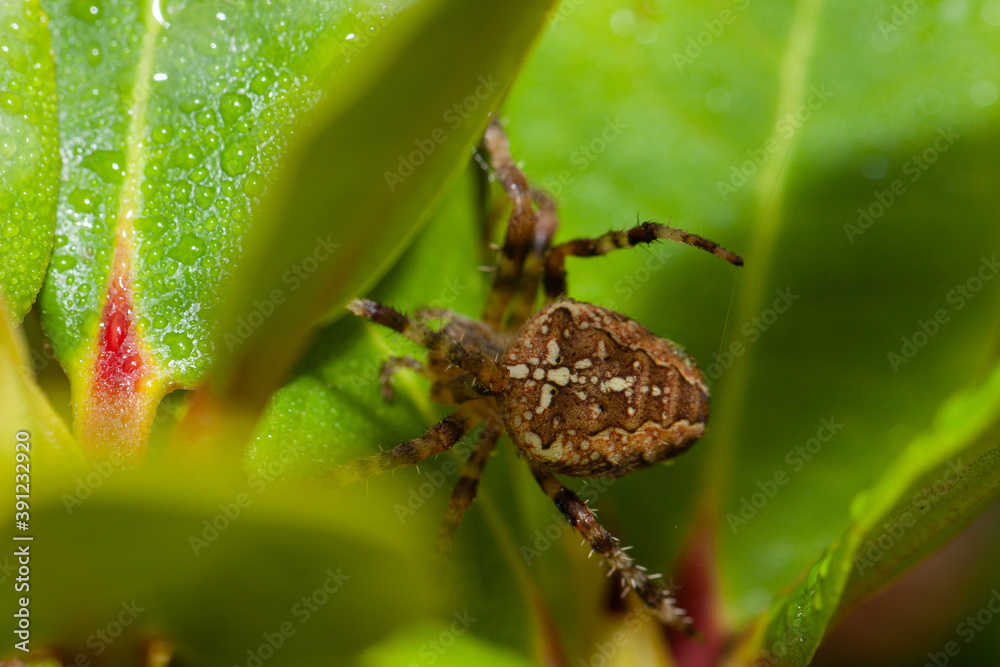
[[180, 344], [84, 201], [63, 262], [236, 158], [188, 249], [10, 102], [8, 145], [109, 165], [234, 105]]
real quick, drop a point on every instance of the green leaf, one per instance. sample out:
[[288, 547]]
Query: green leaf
[[925, 497], [399, 127], [29, 152], [173, 119], [221, 567], [445, 644], [25, 407]]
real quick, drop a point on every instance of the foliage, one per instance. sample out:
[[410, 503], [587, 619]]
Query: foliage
[[847, 152]]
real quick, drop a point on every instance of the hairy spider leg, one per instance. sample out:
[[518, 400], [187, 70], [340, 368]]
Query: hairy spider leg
[[492, 377], [657, 598], [647, 232], [520, 226], [441, 437], [534, 264], [390, 367], [465, 489]]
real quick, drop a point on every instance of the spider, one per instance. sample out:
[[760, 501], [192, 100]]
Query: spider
[[580, 389]]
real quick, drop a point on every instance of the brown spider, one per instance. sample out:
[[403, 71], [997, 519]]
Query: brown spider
[[580, 389]]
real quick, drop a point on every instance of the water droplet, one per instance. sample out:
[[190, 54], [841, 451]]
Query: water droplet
[[84, 201], [10, 102], [8, 145], [161, 134], [187, 157], [205, 117], [204, 196], [180, 344], [262, 81], [188, 249], [109, 165], [253, 185], [10, 230], [193, 104], [63, 262], [87, 10], [236, 158], [234, 105], [94, 55]]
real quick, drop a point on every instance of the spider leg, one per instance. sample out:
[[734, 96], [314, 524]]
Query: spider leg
[[441, 437], [492, 377], [520, 226], [390, 367], [657, 598], [465, 489], [647, 232], [534, 263]]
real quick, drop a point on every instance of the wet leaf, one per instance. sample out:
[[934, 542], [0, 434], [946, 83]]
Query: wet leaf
[[29, 152], [938, 484], [173, 119], [401, 126]]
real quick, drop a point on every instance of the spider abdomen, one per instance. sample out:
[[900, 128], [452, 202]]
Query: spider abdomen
[[593, 393]]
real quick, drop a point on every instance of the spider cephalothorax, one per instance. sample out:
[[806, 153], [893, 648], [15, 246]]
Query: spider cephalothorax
[[580, 389]]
